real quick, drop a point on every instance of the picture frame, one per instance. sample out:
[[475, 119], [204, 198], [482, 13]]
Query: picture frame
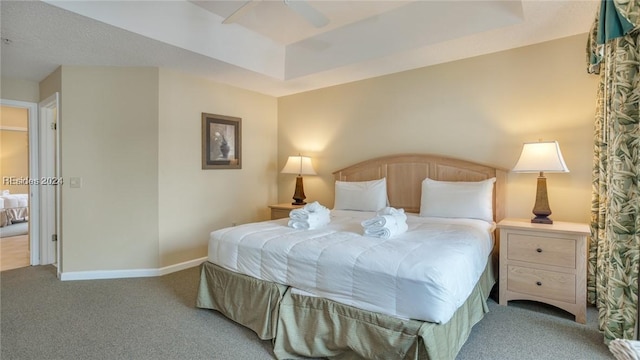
[[221, 142]]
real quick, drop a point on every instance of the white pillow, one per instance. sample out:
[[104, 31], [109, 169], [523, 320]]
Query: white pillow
[[457, 199], [361, 195]]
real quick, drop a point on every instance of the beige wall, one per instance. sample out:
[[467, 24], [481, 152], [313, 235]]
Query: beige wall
[[480, 109], [14, 148], [20, 90], [52, 84], [109, 138], [14, 117], [133, 136], [15, 161], [193, 202]]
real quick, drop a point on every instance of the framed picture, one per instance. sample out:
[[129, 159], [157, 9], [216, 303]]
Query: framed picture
[[221, 142]]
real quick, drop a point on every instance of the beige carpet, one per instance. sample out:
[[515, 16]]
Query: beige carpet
[[156, 319], [14, 252]]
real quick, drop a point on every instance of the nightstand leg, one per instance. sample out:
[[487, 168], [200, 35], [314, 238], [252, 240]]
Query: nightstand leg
[[581, 316]]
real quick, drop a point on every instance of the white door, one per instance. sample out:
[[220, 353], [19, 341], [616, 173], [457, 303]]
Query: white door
[[51, 182]]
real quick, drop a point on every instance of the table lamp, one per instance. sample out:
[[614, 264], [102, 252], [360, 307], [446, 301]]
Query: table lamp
[[541, 157], [300, 165]]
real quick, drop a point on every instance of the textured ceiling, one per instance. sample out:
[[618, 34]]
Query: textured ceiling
[[271, 48]]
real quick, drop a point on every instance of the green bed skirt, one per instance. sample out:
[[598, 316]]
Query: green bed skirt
[[303, 326], [248, 301]]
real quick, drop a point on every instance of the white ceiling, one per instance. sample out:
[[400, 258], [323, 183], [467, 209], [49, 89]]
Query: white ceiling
[[272, 49]]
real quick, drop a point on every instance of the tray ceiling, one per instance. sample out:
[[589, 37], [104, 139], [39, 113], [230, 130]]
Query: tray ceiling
[[271, 48]]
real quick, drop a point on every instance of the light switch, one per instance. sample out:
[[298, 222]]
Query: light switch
[[75, 182]]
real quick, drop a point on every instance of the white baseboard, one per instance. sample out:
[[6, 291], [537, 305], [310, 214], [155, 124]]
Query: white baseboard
[[181, 266], [130, 273]]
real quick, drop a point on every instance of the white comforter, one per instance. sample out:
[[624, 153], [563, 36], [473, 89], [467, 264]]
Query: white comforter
[[425, 273]]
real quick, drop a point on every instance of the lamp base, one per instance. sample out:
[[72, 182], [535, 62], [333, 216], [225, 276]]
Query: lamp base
[[298, 195], [541, 208], [541, 220]]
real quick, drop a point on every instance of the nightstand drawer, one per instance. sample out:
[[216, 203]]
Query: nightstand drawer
[[545, 284], [542, 250], [279, 213]]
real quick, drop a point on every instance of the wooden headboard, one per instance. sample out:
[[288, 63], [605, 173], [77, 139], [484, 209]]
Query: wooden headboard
[[406, 172]]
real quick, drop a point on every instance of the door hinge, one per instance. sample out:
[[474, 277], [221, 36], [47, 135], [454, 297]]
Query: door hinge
[[54, 126], [54, 237]]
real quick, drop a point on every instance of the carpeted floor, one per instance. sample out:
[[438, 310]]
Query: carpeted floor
[[527, 330], [155, 318]]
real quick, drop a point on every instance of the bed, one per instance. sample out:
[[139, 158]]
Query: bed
[[317, 303], [14, 208]]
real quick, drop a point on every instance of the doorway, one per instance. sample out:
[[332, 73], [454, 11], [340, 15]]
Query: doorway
[[15, 211], [43, 179]]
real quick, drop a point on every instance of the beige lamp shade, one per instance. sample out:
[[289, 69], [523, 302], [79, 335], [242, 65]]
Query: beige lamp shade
[[543, 156], [300, 165]]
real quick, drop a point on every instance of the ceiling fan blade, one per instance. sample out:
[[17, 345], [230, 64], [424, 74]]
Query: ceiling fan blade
[[308, 12], [241, 11]]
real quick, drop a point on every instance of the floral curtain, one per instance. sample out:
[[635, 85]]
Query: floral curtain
[[614, 249]]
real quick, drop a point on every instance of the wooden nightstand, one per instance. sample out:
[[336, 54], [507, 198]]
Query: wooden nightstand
[[546, 263], [280, 211]]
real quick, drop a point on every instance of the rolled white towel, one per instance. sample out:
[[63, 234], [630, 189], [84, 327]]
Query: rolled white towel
[[380, 220], [306, 224], [384, 216], [306, 211], [391, 211], [387, 223], [386, 231], [314, 221], [310, 216]]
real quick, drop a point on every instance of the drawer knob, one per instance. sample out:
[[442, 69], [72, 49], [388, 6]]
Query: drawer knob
[[538, 283], [539, 250]]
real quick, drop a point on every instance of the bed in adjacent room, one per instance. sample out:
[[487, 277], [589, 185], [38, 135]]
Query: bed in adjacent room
[[333, 292], [14, 208]]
